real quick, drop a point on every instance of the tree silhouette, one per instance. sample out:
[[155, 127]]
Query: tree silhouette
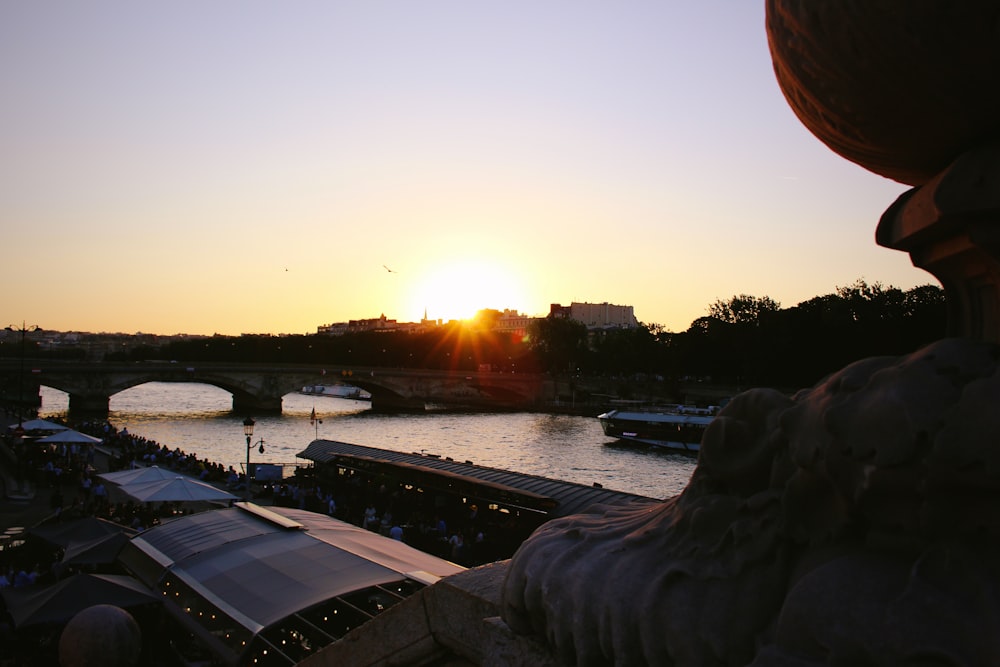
[[743, 309], [559, 343]]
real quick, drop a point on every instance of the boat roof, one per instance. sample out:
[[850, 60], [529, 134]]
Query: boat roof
[[698, 416], [551, 497]]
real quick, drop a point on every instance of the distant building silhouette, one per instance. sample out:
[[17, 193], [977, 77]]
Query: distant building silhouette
[[380, 323], [597, 315], [594, 316], [513, 322]]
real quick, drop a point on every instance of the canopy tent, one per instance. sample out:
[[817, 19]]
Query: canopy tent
[[138, 475], [96, 551], [85, 541], [68, 437], [33, 425], [83, 529], [176, 489], [61, 601]]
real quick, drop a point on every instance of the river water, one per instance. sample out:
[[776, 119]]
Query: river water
[[198, 419]]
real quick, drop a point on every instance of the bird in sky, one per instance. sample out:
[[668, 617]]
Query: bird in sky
[[387, 269]]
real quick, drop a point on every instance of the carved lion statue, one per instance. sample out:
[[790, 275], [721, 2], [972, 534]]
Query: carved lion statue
[[855, 523]]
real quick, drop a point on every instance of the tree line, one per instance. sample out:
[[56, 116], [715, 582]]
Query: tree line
[[752, 341], [743, 341]]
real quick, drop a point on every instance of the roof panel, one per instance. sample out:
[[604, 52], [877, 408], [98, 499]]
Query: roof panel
[[271, 577], [180, 539], [261, 572]]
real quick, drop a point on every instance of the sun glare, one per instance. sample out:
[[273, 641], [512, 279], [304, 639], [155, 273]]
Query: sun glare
[[458, 291]]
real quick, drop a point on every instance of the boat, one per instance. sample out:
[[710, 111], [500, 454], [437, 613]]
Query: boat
[[674, 427], [337, 391]]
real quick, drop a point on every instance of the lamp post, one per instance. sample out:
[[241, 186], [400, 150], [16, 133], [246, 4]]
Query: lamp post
[[248, 424], [20, 378]]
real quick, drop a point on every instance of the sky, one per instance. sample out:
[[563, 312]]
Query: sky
[[267, 167]]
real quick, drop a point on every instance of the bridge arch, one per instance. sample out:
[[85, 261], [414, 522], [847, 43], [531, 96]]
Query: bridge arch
[[88, 401]]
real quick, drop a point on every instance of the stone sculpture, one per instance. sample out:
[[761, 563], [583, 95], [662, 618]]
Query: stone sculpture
[[900, 88], [856, 522]]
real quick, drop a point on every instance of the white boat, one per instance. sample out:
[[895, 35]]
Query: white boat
[[676, 427], [337, 391]]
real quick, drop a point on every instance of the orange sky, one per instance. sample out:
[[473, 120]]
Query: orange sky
[[252, 167]]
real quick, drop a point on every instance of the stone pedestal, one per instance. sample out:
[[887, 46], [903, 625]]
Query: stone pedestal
[[950, 226]]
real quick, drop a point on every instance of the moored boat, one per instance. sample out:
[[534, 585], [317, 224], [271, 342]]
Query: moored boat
[[675, 427], [337, 391]]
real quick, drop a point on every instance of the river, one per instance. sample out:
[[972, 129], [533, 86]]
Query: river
[[198, 419]]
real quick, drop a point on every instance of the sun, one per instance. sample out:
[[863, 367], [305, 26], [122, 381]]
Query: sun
[[458, 290]]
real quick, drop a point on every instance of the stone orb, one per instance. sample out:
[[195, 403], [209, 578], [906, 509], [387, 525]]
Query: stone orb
[[899, 88], [100, 636]]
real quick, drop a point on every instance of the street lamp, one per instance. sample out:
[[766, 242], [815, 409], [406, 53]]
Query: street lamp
[[20, 378], [248, 431]]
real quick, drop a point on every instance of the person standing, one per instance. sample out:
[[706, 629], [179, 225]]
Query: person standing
[[100, 494], [371, 517]]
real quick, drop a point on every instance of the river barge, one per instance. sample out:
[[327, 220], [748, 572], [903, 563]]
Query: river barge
[[673, 427]]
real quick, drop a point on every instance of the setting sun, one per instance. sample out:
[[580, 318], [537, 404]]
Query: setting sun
[[459, 290]]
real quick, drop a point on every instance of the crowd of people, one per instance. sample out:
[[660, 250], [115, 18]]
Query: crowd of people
[[449, 527], [69, 473]]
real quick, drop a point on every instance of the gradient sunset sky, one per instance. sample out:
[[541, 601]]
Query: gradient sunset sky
[[267, 167]]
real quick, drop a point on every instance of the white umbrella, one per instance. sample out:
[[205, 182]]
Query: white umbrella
[[39, 425], [138, 475], [68, 436], [177, 489]]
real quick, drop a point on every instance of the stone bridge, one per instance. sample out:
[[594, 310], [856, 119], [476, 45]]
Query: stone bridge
[[258, 388]]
